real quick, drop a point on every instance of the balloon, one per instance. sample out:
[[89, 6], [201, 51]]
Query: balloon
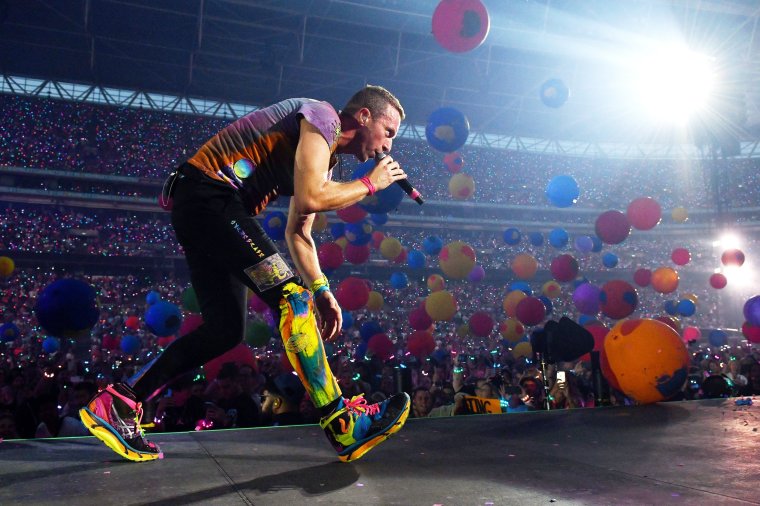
[[732, 257], [547, 303], [477, 274], [461, 186], [435, 282], [415, 259], [460, 25], [564, 268], [401, 258], [645, 359], [447, 129], [686, 307], [524, 266], [612, 227], [381, 346], [670, 321], [481, 324], [511, 300], [51, 345], [348, 320], [522, 350], [554, 93], [665, 280], [691, 334], [67, 307], [330, 255], [337, 230], [375, 301], [352, 214], [190, 300], [618, 299], [163, 318], [562, 191], [512, 236], [432, 245], [530, 311], [586, 298], [597, 244], [642, 277], [152, 297], [352, 293], [420, 344], [511, 330], [522, 286], [558, 238], [751, 332], [378, 219], [441, 305], [239, 355], [399, 280], [130, 344], [258, 333], [717, 337], [671, 307], [752, 310], [132, 322], [383, 201], [457, 259], [274, 225], [551, 289], [419, 319], [357, 254], [644, 213], [7, 266], [359, 233], [679, 214], [369, 329], [610, 260], [390, 248], [454, 162], [680, 256], [718, 281], [583, 244], [536, 238], [191, 322]]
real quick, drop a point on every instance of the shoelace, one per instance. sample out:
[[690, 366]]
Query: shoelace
[[132, 430], [358, 404]]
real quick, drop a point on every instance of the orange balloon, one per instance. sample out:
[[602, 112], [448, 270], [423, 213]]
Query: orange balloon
[[524, 266], [665, 280]]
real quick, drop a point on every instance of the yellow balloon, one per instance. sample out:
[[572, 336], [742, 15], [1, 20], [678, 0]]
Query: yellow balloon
[[511, 301], [7, 266], [511, 330], [461, 186], [375, 301], [441, 306], [457, 259], [341, 241], [435, 282], [551, 289], [679, 214], [691, 296], [390, 248], [463, 330], [523, 349]]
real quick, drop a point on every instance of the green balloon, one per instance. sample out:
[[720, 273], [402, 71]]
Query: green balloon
[[257, 333], [190, 300]]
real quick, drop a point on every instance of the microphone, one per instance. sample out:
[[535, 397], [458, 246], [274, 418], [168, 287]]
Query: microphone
[[403, 183]]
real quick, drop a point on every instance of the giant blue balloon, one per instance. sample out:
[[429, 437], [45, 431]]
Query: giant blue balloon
[[558, 237], [385, 200], [67, 307], [432, 245], [447, 129], [562, 191], [163, 318], [274, 225]]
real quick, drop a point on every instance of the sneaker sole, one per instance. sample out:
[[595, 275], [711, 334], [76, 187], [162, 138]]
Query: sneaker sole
[[359, 451], [97, 427]]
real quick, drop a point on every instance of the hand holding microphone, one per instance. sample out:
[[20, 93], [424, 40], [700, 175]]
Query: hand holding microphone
[[403, 183]]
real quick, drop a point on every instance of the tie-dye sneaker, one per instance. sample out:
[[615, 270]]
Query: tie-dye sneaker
[[355, 427], [113, 416]]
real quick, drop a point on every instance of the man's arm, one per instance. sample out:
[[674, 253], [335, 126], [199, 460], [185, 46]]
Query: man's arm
[[313, 192]]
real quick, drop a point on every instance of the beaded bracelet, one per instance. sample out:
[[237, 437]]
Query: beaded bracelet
[[368, 184]]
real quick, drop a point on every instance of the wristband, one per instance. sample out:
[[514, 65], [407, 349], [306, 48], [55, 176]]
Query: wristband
[[320, 285], [368, 184]]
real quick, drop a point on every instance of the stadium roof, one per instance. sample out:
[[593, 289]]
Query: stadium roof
[[257, 52]]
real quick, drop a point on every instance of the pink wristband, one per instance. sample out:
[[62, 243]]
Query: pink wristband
[[368, 184]]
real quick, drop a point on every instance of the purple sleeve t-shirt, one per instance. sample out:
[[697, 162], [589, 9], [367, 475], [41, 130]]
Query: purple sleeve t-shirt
[[258, 150]]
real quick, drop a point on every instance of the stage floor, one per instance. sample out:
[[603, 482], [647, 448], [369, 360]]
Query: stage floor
[[700, 452]]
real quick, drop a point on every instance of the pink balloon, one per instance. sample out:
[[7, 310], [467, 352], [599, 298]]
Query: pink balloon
[[352, 293], [691, 334], [718, 281], [642, 277], [460, 25], [644, 213], [680, 256]]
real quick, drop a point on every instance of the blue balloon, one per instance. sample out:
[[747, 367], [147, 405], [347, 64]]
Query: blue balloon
[[385, 200], [554, 93], [686, 307], [348, 319], [610, 260], [432, 245], [717, 337], [671, 307], [536, 238], [597, 244], [361, 351], [152, 297], [558, 237], [379, 219], [562, 191], [130, 344], [359, 233], [512, 236], [415, 259], [579, 281], [399, 280], [447, 129], [584, 319], [547, 303], [67, 306], [369, 329], [274, 225], [522, 286], [9, 332], [338, 230], [51, 344], [163, 318]]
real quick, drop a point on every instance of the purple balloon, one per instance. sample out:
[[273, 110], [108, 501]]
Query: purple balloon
[[752, 310], [476, 274], [586, 298], [583, 243]]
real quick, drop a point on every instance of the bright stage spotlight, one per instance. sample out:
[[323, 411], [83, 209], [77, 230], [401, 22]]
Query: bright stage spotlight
[[674, 83]]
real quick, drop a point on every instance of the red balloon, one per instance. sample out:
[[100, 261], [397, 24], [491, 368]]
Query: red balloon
[[618, 299], [530, 311], [419, 319], [598, 331], [240, 355], [377, 238], [381, 346], [732, 257], [420, 344], [481, 324], [644, 213], [330, 255], [460, 25], [401, 258], [718, 281], [612, 227], [642, 277], [132, 322], [670, 321], [190, 323], [680, 256], [352, 214], [454, 162], [564, 268], [352, 293], [357, 254], [751, 332]]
